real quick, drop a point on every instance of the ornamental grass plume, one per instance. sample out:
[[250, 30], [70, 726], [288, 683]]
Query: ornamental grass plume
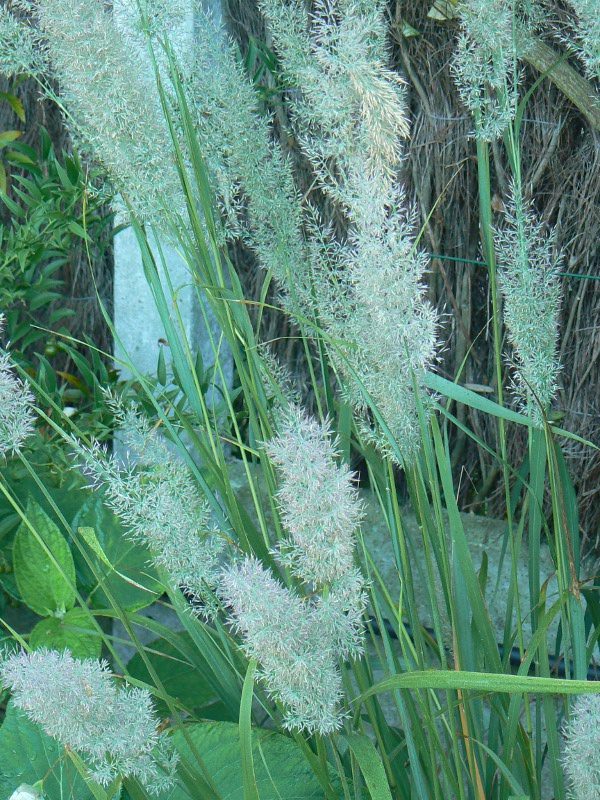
[[157, 499], [17, 421], [297, 640], [297, 662], [581, 756], [78, 703], [251, 178], [587, 34], [494, 35], [109, 97], [19, 50], [350, 118], [527, 273], [318, 500]]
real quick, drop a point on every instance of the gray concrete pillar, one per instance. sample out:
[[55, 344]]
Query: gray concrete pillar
[[138, 325]]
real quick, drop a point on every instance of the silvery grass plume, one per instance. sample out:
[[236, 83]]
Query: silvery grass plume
[[581, 757], [19, 48], [587, 34], [386, 318], [298, 641], [319, 505], [297, 658], [527, 272], [110, 97], [350, 117], [494, 35], [17, 421], [250, 175], [350, 111], [278, 380], [78, 703], [158, 501]]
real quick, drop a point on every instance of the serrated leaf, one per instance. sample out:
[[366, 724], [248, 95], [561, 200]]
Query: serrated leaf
[[45, 577], [281, 770], [27, 755], [75, 632]]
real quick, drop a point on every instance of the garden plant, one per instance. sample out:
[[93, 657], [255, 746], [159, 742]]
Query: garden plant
[[295, 669]]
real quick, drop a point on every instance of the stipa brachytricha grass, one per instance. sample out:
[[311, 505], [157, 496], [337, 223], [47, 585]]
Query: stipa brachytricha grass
[[78, 703], [279, 563]]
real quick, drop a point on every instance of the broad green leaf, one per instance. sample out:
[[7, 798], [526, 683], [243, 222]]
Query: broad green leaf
[[120, 565], [181, 679], [27, 755], [75, 632], [43, 564], [281, 769]]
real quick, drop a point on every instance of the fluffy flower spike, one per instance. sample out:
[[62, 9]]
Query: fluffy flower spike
[[530, 285], [581, 758], [158, 501], [17, 421], [318, 501], [350, 118], [587, 34], [77, 702], [494, 35]]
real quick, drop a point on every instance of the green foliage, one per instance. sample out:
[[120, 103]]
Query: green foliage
[[280, 767], [73, 631], [173, 663], [52, 211], [123, 572], [27, 755], [43, 564], [431, 708]]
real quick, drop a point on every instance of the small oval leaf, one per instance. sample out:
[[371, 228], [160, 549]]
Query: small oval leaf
[[43, 564]]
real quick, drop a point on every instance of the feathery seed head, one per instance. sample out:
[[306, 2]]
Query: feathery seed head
[[587, 34], [17, 421], [159, 503], [319, 503], [350, 118], [251, 178], [530, 286], [494, 35], [350, 102], [19, 47], [78, 703], [279, 629], [111, 101], [581, 757]]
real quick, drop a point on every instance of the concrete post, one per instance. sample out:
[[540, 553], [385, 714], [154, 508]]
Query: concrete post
[[137, 321]]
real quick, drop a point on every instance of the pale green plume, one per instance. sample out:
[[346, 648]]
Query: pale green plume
[[528, 266]]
